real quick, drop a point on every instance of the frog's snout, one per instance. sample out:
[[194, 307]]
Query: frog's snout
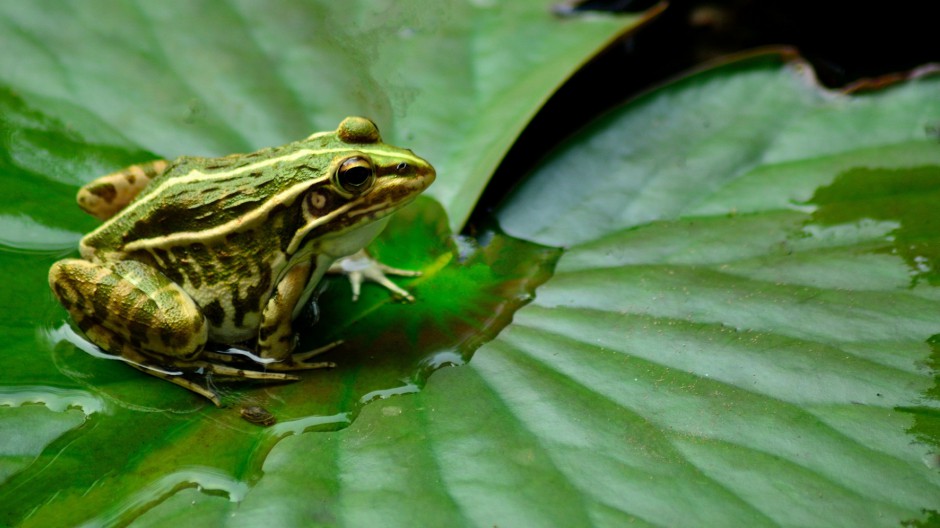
[[428, 175]]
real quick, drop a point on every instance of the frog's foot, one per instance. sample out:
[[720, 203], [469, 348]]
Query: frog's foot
[[107, 195], [300, 361], [226, 371], [183, 371], [360, 267]]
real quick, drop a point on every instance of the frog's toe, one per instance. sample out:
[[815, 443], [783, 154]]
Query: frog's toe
[[299, 361], [295, 364], [226, 371], [303, 356], [178, 379], [398, 272]]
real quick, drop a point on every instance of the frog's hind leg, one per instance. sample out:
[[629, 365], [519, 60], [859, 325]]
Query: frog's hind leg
[[105, 196], [130, 303], [131, 310]]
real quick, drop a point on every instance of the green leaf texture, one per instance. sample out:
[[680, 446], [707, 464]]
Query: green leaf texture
[[742, 330]]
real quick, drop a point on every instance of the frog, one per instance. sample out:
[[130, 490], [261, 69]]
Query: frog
[[198, 254]]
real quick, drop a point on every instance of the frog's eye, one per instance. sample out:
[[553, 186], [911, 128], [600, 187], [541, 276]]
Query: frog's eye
[[355, 175]]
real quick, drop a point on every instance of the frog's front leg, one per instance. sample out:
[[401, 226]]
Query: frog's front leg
[[105, 196], [276, 336]]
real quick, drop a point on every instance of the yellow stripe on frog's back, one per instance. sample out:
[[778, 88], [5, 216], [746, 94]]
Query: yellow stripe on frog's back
[[244, 222], [197, 176]]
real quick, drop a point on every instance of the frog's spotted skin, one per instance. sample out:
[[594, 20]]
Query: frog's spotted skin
[[228, 250], [109, 194]]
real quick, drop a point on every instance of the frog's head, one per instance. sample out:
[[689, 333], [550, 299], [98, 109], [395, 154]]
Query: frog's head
[[365, 180]]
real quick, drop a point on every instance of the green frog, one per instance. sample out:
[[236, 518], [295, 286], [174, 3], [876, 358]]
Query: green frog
[[229, 250]]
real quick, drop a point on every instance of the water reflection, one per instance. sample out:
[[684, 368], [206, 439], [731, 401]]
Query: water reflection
[[23, 233], [204, 479], [309, 423], [382, 394], [54, 398]]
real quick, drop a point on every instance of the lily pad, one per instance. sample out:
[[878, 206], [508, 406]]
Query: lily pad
[[742, 330]]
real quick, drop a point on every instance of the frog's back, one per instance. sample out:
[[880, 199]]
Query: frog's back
[[208, 225], [202, 196]]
